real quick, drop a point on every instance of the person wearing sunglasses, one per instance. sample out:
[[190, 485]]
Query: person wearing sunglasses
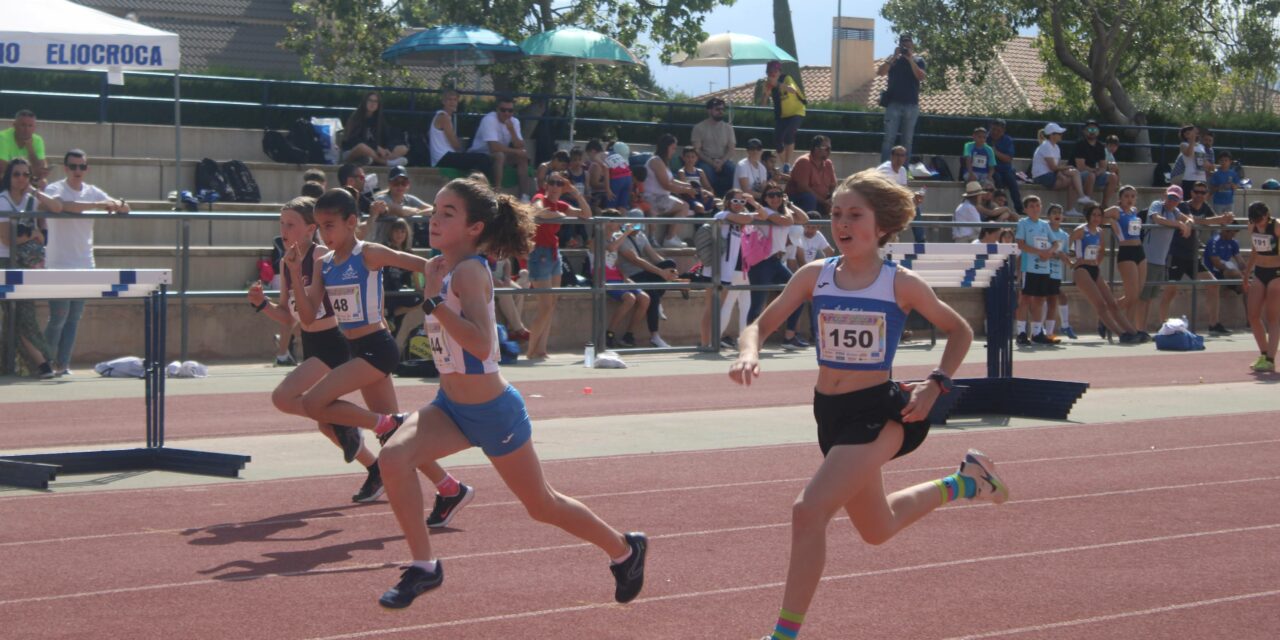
[[498, 137], [18, 196], [71, 247], [1089, 155], [781, 213], [1182, 255]]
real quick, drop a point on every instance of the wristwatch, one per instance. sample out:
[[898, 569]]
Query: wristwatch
[[944, 381], [259, 307], [430, 304]]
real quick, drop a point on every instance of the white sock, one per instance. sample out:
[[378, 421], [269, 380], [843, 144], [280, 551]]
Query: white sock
[[1064, 312], [426, 565], [624, 557], [1022, 326], [1036, 328], [1049, 326]]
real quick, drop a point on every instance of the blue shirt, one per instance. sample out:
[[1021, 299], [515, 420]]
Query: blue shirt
[[1060, 238], [1224, 250], [857, 330], [981, 161], [355, 291], [1003, 145], [1036, 234], [1226, 197]]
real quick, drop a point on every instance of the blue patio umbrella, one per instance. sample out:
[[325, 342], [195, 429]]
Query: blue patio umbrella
[[453, 44]]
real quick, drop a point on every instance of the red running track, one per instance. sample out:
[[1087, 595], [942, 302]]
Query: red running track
[[84, 422], [1125, 530]]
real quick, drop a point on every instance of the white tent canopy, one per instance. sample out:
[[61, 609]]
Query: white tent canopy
[[58, 34]]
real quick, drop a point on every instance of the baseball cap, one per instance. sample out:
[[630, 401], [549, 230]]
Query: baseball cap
[[1052, 128], [1175, 191], [397, 172], [754, 143]]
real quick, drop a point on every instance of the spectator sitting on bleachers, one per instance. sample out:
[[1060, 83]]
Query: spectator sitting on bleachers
[[704, 201], [22, 141], [633, 305], [17, 195], [714, 140], [558, 163], [575, 236], [618, 163], [598, 193], [401, 204], [641, 263], [967, 211], [1089, 155], [368, 139], [1002, 174], [988, 209], [1047, 168], [1224, 183], [813, 177], [447, 150], [978, 158], [352, 178], [1222, 259], [499, 137], [776, 175], [317, 176], [394, 279], [662, 191], [751, 174], [71, 247], [1113, 145]]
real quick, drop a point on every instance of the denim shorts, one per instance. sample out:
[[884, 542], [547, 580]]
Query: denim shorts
[[1046, 180], [544, 263], [498, 427]]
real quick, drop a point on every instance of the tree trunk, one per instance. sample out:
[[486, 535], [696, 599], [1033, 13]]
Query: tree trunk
[[784, 36], [1114, 104]]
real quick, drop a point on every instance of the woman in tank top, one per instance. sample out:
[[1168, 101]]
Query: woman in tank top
[[1131, 260], [446, 149], [1087, 241], [1264, 286]]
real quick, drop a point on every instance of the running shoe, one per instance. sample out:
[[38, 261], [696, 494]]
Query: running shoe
[[1263, 364], [1104, 332], [414, 581], [982, 471], [1070, 333], [629, 575], [1022, 339], [442, 514], [727, 342], [1129, 338], [628, 340], [372, 488], [657, 341], [1219, 329], [1041, 338], [1144, 337], [286, 360], [399, 419], [800, 342], [45, 371], [349, 438]]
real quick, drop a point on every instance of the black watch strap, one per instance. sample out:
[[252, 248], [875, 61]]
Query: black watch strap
[[944, 381], [430, 304]]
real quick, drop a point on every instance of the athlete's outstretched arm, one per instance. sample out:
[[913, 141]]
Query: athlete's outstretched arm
[[798, 291]]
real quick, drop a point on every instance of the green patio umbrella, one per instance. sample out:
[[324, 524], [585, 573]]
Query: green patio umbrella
[[731, 50], [579, 45]]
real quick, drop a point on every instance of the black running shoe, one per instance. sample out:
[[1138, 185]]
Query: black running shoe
[[1128, 338], [414, 582], [1219, 329], [1041, 338], [349, 438], [399, 419], [448, 507], [1144, 337], [628, 341], [629, 575], [1022, 339], [372, 488]]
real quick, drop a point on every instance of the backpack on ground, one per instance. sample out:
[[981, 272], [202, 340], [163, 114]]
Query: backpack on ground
[[704, 244], [241, 181], [305, 137], [757, 244], [941, 169], [277, 147], [209, 178]]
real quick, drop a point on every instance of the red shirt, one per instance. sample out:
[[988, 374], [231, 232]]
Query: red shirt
[[546, 236]]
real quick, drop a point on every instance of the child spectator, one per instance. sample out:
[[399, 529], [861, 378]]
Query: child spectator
[[1033, 238], [642, 263], [1113, 145], [1058, 308], [633, 304], [558, 163], [394, 279], [315, 175], [978, 158], [598, 193], [1224, 183], [739, 209], [1222, 259], [575, 235], [618, 162], [770, 161], [989, 210], [705, 200]]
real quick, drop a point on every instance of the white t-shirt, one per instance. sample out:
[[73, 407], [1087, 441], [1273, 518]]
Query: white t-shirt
[[966, 212], [730, 249], [756, 175], [71, 240], [813, 247], [1047, 149], [795, 235], [1195, 167], [491, 130], [652, 188], [900, 177], [780, 234]]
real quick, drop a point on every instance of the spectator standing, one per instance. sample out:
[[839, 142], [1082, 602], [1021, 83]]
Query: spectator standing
[[662, 191], [901, 100], [544, 261], [732, 271], [17, 195], [1224, 183], [714, 141], [401, 204], [1182, 255], [1003, 175], [498, 137], [1193, 161], [1222, 259], [22, 141], [1034, 240], [813, 178], [598, 193], [1171, 222], [967, 211], [781, 214], [788, 110], [447, 150], [1047, 168], [751, 174], [71, 247], [642, 263], [1089, 155], [368, 139], [978, 159]]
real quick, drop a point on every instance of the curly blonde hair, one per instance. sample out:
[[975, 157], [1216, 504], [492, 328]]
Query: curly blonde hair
[[893, 204]]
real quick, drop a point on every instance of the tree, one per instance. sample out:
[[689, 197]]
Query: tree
[[784, 35], [1126, 56]]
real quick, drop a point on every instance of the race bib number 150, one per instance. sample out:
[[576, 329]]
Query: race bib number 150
[[852, 337]]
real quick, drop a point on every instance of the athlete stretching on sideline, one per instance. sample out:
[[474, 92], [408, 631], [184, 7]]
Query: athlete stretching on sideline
[[865, 419], [351, 285], [1264, 285], [475, 406]]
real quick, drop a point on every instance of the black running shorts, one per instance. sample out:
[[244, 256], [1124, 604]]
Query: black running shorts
[[330, 346], [378, 349], [858, 417]]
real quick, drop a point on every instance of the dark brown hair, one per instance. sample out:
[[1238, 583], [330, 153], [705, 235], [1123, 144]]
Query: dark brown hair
[[508, 223], [356, 122], [338, 201]]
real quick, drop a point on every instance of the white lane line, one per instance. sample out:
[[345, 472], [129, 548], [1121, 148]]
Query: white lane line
[[774, 585], [1119, 616], [679, 534], [616, 494]]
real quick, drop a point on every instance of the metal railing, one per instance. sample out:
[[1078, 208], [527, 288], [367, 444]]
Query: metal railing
[[597, 290]]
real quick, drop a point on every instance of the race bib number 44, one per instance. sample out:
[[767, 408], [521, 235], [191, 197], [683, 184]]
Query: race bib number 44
[[439, 347], [852, 337], [347, 304]]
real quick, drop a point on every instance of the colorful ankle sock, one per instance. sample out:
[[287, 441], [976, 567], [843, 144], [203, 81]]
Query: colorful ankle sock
[[386, 422], [956, 486], [788, 626], [448, 487]]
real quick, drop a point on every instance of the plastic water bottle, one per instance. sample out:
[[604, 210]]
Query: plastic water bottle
[[589, 356]]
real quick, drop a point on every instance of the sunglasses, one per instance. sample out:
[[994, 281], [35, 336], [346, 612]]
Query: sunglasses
[[506, 110], [556, 183], [1199, 192], [738, 201], [78, 167], [773, 194]]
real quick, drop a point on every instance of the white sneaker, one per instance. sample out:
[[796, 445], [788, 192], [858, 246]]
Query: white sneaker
[[657, 341], [397, 162], [979, 468], [674, 243], [662, 313]]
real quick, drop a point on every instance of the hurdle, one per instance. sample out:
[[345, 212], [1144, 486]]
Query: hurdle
[[989, 267], [36, 471]]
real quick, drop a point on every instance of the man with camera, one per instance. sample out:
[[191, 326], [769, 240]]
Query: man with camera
[[901, 101]]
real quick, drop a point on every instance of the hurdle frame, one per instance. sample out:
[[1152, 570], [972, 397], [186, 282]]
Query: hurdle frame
[[36, 471]]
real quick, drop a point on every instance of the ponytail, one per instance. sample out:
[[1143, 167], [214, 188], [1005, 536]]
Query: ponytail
[[1040, 136], [508, 223]]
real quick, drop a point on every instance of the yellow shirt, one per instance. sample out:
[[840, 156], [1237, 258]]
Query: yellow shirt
[[791, 102], [9, 148]]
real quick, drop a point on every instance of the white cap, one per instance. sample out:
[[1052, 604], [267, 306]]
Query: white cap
[[1052, 128]]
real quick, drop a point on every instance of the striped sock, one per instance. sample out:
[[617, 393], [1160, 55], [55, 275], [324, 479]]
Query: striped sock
[[788, 626], [956, 486]]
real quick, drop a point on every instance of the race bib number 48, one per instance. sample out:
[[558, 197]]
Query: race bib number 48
[[347, 304], [1135, 227], [852, 337]]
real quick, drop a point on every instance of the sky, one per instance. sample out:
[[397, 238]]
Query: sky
[[811, 20]]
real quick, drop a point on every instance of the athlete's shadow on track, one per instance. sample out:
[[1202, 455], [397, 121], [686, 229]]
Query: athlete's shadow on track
[[267, 529], [301, 562]]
